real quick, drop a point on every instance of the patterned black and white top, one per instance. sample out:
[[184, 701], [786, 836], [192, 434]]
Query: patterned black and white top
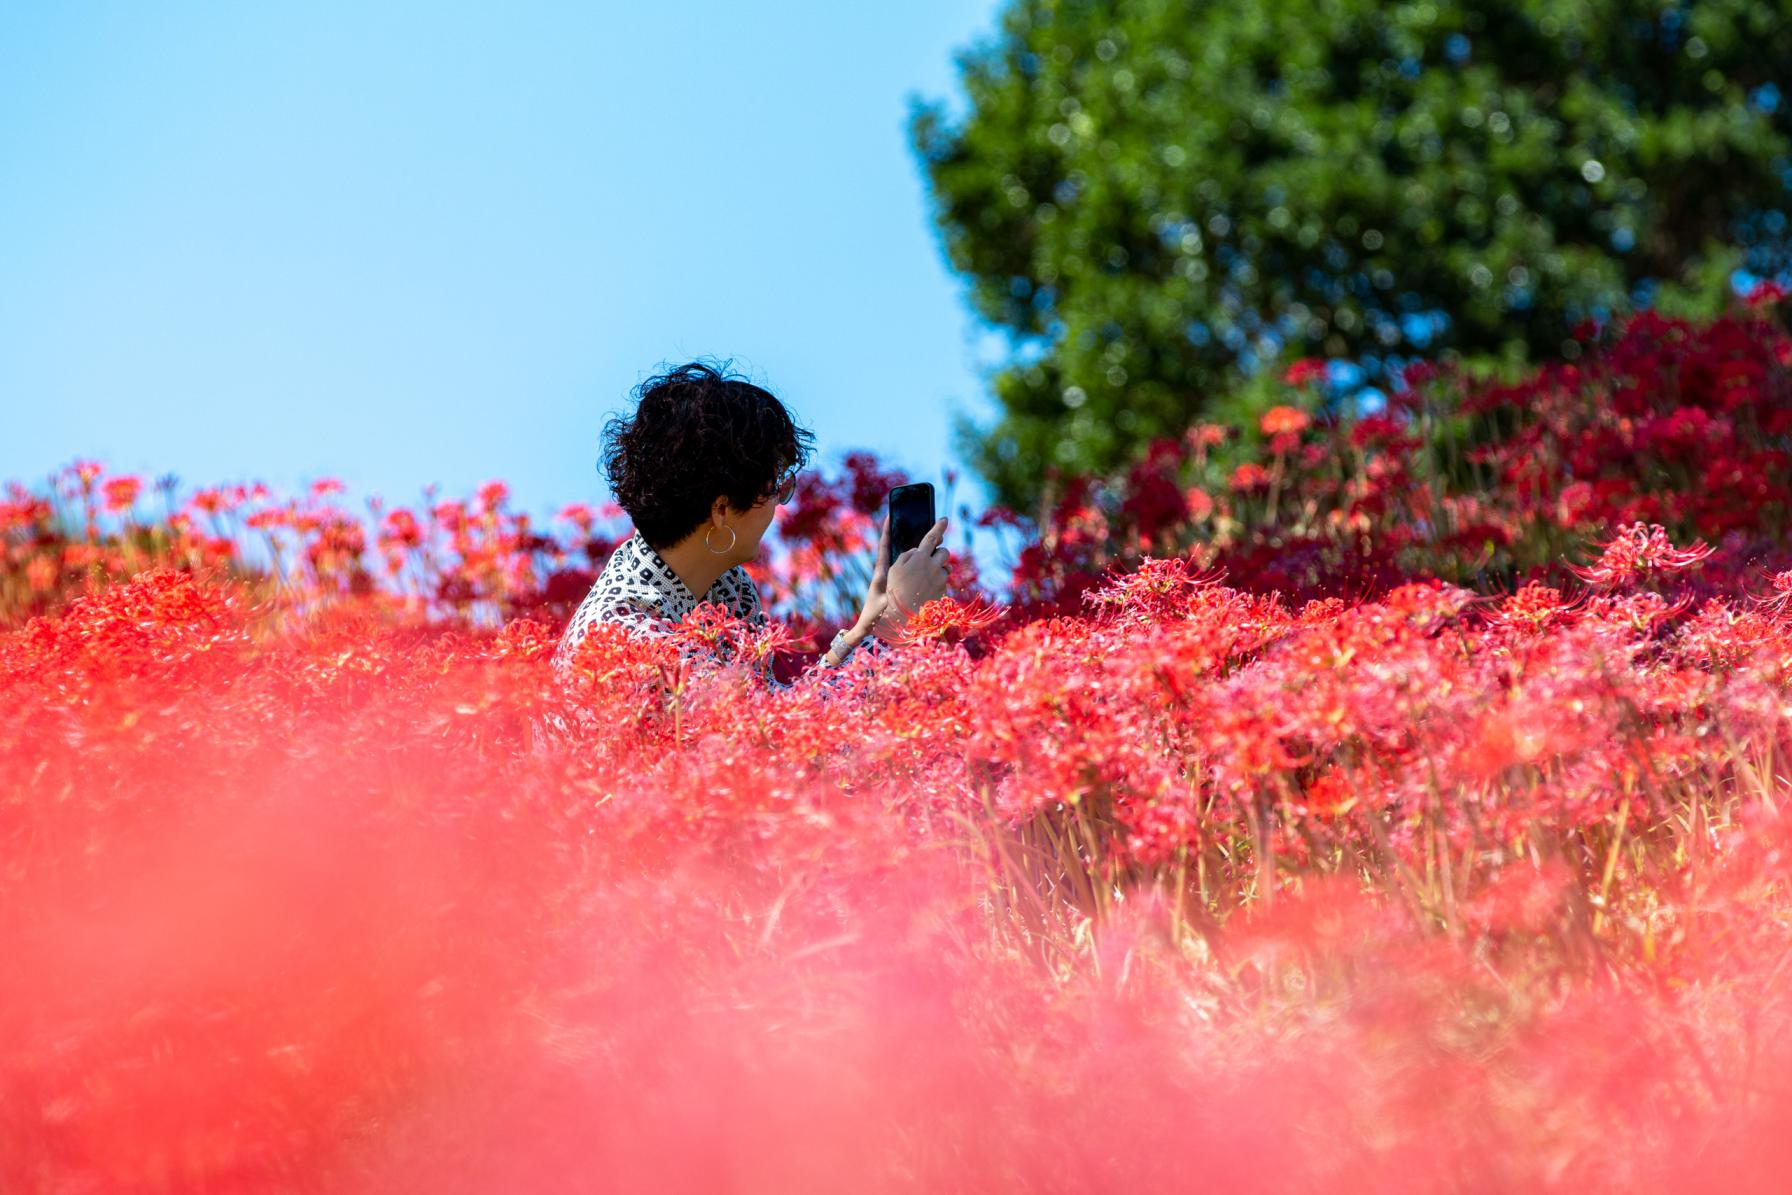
[[638, 589]]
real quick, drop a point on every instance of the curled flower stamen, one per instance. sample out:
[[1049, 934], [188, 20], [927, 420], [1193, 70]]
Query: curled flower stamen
[[1638, 550]]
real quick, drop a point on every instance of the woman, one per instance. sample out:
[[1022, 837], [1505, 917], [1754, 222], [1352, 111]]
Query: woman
[[700, 467]]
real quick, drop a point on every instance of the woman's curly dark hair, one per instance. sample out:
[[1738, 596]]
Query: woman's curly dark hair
[[698, 431]]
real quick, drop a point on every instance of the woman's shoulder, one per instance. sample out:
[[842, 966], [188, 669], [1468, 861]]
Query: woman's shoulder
[[627, 590], [628, 574]]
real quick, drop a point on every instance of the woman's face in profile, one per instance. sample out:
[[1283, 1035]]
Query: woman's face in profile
[[754, 522], [757, 519]]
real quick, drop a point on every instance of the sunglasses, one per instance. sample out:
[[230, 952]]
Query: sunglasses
[[786, 485]]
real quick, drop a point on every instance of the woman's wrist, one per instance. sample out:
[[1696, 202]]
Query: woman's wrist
[[869, 617], [849, 638]]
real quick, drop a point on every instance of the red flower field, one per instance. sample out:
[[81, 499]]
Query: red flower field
[[1415, 817]]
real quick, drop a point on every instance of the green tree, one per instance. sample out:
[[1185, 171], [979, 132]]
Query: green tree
[[1155, 197]]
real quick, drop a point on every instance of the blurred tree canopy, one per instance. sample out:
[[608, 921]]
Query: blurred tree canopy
[[1156, 198]]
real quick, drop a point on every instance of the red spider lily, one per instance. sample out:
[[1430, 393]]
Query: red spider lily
[[1249, 476], [1304, 371], [41, 574], [451, 515], [121, 493], [712, 630], [21, 511], [1764, 294], [947, 619], [579, 515], [1427, 604], [401, 530], [765, 645], [1724, 637], [1157, 589], [1206, 435], [1641, 612], [1284, 421], [210, 501], [1637, 551], [1534, 608], [1779, 594], [493, 495]]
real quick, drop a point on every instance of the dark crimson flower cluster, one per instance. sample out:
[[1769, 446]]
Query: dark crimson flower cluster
[[1662, 422]]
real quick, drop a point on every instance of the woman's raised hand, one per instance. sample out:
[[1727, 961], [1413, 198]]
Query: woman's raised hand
[[875, 597], [915, 578]]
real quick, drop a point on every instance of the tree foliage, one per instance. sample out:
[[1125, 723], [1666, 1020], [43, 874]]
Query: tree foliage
[[1155, 197]]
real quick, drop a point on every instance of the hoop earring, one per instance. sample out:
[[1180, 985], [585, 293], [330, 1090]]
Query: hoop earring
[[732, 540]]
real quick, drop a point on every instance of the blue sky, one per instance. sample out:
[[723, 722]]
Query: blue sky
[[405, 243]]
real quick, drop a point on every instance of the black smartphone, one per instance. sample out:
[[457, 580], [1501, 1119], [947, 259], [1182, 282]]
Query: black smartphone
[[911, 516]]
